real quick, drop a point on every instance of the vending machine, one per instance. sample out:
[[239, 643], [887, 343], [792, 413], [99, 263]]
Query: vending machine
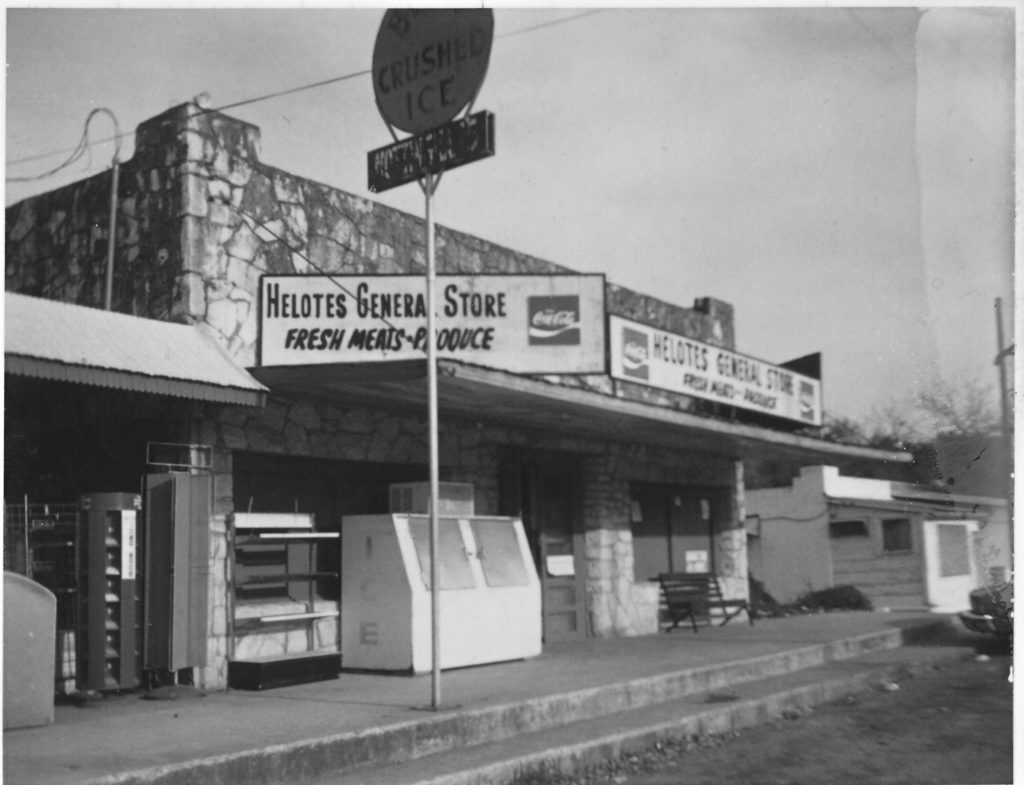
[[109, 651]]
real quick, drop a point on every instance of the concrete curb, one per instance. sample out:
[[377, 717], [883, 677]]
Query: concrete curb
[[744, 714], [404, 741]]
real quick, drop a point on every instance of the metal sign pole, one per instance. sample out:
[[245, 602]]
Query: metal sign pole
[[436, 144], [430, 182]]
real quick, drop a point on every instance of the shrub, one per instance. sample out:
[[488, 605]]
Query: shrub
[[845, 598]]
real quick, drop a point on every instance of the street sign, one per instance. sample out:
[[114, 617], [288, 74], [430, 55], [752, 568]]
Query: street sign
[[443, 148], [429, 64]]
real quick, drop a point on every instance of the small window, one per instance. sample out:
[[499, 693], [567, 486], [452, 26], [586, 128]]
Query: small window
[[896, 537], [454, 561], [954, 550], [497, 547], [841, 529]]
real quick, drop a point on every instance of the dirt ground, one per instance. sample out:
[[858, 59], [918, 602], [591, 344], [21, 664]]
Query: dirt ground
[[948, 725]]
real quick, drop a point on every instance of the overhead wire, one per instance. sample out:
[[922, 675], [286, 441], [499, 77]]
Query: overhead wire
[[77, 152], [551, 23], [82, 148]]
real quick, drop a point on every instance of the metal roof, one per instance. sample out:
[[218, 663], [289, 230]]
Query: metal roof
[[48, 339]]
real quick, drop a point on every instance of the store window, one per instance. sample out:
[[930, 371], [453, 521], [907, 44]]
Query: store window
[[673, 527], [896, 536], [839, 530], [500, 556], [954, 550], [454, 569]]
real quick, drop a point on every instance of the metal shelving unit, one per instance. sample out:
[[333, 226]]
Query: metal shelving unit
[[274, 562]]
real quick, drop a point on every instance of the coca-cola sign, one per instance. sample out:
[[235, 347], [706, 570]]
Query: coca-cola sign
[[554, 320], [636, 354]]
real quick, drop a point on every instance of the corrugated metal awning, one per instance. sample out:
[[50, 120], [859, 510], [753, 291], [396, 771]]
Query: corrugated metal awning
[[47, 339]]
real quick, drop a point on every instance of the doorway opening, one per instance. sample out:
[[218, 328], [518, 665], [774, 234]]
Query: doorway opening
[[545, 489]]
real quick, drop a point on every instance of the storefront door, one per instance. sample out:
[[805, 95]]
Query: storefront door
[[950, 570], [546, 492]]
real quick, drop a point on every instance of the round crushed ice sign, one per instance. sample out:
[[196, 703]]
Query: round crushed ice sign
[[428, 64]]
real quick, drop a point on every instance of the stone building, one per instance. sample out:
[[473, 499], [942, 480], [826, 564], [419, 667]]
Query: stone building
[[625, 477]]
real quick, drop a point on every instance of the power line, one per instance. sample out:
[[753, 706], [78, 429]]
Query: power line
[[550, 23], [289, 91], [80, 149], [117, 137]]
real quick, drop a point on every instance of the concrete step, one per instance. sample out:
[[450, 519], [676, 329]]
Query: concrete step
[[576, 745], [460, 729]]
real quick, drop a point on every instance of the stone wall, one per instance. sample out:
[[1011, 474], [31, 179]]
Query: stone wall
[[56, 243], [300, 427]]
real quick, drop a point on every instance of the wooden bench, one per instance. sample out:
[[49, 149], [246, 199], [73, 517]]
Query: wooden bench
[[687, 595]]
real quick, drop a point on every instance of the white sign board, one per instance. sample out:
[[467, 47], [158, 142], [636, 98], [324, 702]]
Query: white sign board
[[696, 561], [646, 355], [128, 545], [517, 323], [560, 566]]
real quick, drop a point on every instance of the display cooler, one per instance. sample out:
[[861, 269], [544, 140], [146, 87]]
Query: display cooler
[[490, 607]]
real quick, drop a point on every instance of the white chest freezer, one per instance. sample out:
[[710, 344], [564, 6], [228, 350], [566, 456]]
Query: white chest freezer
[[489, 592]]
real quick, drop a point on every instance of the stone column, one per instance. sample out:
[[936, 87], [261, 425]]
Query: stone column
[[616, 604], [214, 675], [731, 544]]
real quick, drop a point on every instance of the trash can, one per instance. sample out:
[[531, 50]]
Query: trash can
[[30, 653]]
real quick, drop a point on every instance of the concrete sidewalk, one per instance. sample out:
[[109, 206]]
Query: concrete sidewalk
[[376, 718]]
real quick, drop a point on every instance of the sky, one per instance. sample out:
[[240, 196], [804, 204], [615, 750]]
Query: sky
[[844, 177]]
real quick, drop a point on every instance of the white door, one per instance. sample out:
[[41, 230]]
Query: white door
[[950, 569]]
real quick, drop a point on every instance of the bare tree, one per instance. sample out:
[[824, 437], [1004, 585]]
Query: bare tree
[[896, 426], [951, 430], [963, 409], [843, 430]]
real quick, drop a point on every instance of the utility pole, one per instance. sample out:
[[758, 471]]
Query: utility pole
[[1004, 353]]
